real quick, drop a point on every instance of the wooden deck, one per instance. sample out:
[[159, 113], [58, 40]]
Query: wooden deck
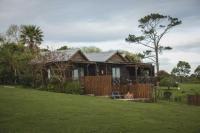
[[103, 86]]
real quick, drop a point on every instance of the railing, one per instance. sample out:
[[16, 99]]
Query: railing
[[105, 85], [98, 85]]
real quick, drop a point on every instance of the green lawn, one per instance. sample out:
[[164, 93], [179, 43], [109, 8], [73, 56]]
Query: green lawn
[[185, 89], [28, 110]]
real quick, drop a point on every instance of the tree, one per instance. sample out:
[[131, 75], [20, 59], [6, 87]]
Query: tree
[[14, 63], [63, 48], [91, 49], [153, 28], [131, 56], [197, 71], [181, 70], [162, 74], [12, 34], [32, 36], [2, 39], [57, 71]]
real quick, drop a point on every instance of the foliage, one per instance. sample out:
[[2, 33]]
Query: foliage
[[32, 36], [197, 72], [167, 95], [73, 87], [181, 70], [168, 82], [14, 66], [13, 33], [53, 85], [69, 87], [180, 94], [153, 27], [91, 49], [131, 56], [162, 74], [63, 48]]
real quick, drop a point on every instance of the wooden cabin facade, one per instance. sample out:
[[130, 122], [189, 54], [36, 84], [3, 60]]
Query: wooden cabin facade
[[105, 72]]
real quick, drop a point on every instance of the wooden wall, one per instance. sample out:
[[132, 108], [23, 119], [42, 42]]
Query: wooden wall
[[116, 58], [102, 86], [78, 57]]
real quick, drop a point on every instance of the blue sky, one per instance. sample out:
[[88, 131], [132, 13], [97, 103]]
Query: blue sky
[[106, 23]]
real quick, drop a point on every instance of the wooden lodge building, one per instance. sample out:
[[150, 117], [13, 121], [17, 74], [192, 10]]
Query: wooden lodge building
[[105, 72]]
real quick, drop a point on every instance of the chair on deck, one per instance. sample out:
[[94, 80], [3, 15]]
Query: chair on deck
[[116, 95]]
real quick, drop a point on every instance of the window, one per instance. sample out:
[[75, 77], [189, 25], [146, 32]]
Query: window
[[115, 72], [49, 73], [75, 74], [81, 72]]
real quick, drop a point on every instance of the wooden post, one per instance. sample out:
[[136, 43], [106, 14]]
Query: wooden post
[[87, 69], [96, 69], [106, 70], [136, 68]]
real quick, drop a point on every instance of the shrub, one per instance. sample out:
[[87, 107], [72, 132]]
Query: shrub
[[167, 95], [54, 85], [73, 87], [168, 82], [70, 87]]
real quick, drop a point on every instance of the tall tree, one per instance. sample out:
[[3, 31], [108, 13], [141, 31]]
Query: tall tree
[[91, 49], [14, 63], [162, 74], [131, 56], [197, 71], [181, 70], [63, 48], [32, 36], [2, 39], [12, 34], [153, 27]]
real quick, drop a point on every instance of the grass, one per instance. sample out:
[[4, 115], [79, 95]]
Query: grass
[[185, 89], [27, 111]]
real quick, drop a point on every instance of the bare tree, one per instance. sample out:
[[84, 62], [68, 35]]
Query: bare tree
[[53, 66]]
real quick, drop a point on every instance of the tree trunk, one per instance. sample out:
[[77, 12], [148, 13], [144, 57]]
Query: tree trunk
[[157, 70], [157, 62], [15, 74]]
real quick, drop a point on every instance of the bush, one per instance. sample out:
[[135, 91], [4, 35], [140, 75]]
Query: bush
[[167, 95], [168, 82], [69, 87], [54, 85], [73, 87]]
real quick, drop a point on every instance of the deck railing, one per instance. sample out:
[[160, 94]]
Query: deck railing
[[105, 85]]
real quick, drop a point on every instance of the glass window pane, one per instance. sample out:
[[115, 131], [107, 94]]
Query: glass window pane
[[117, 72], [113, 73], [81, 72], [75, 74]]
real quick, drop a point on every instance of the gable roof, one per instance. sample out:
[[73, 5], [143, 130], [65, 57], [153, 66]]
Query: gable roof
[[101, 56], [57, 56]]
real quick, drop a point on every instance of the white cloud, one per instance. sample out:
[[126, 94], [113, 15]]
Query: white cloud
[[106, 23]]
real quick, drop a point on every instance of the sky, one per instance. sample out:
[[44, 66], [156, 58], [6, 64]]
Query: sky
[[106, 24]]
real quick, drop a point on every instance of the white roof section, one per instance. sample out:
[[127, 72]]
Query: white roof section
[[101, 56]]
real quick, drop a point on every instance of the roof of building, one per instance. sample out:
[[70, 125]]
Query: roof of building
[[57, 56], [63, 55], [101, 56]]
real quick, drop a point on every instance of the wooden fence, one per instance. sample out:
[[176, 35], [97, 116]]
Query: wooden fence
[[98, 85], [102, 85], [194, 99], [138, 90]]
